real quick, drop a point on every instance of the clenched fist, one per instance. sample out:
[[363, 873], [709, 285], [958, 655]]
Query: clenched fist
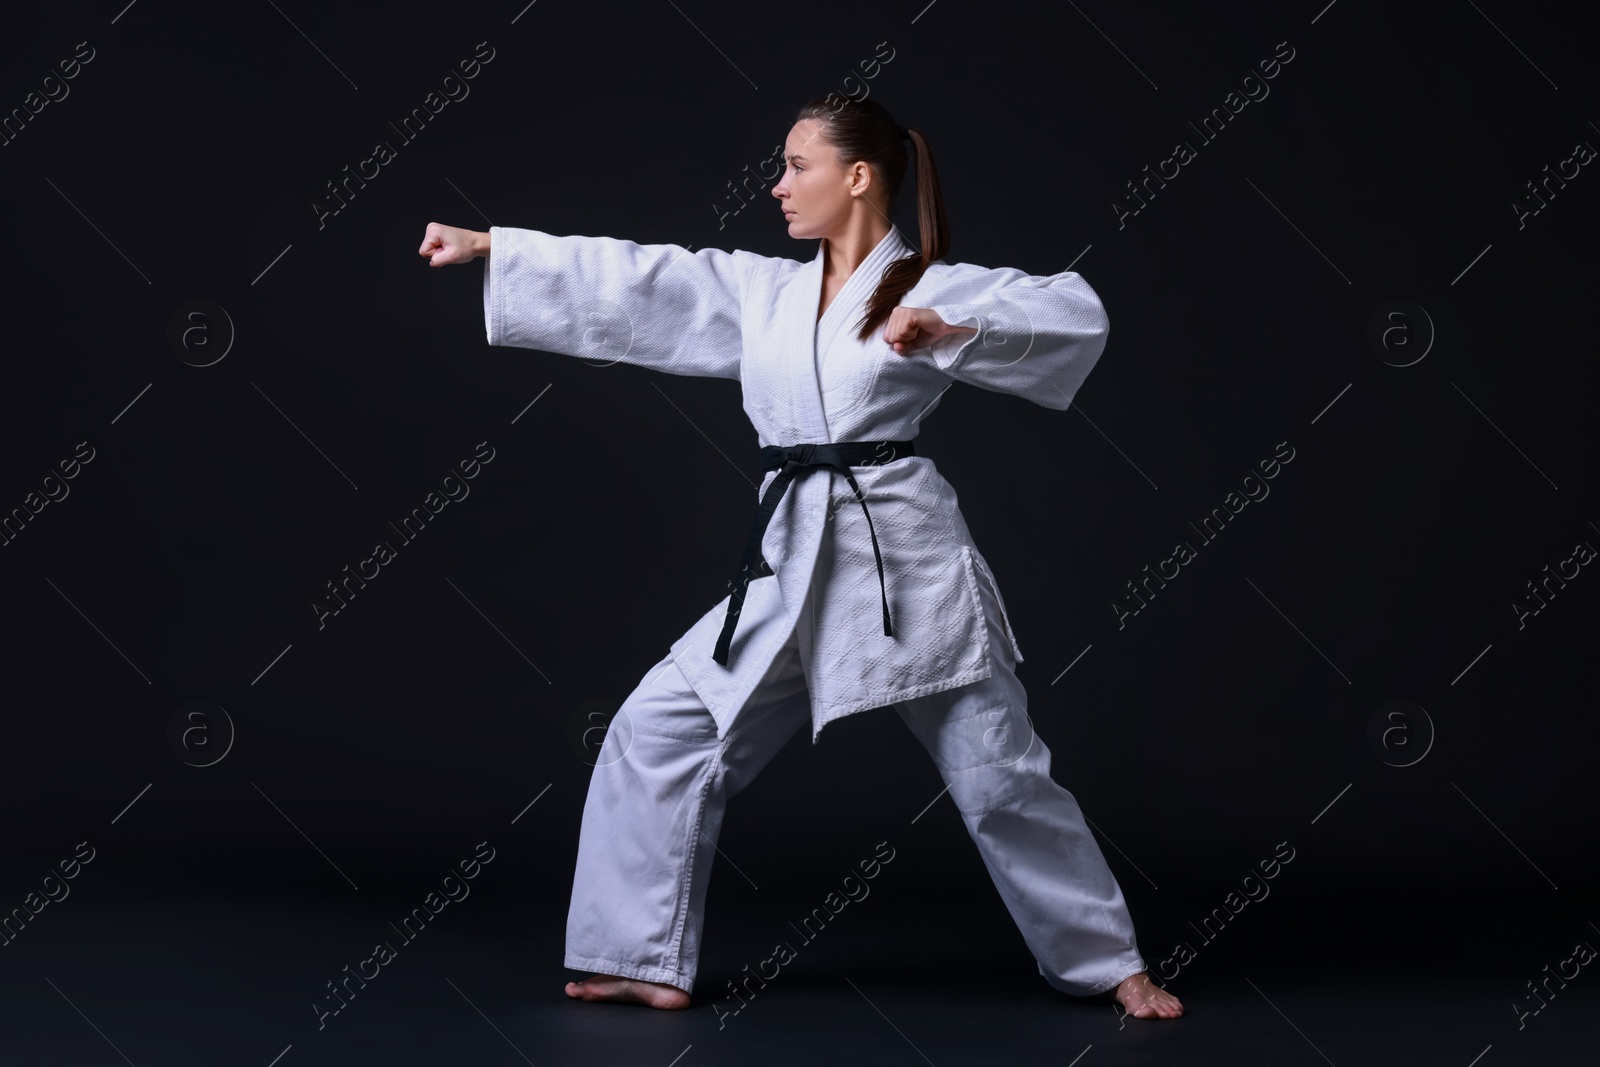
[[448, 244], [909, 329]]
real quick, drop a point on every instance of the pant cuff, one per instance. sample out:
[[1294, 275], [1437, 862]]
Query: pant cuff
[[1123, 972], [596, 965]]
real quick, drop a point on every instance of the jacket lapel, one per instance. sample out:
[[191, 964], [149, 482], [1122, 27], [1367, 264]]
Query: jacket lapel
[[845, 311], [840, 319], [799, 317]]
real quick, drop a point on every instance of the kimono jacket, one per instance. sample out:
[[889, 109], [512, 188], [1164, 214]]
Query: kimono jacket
[[754, 318]]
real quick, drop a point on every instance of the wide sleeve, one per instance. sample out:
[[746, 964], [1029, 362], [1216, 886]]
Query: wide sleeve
[[1038, 337], [606, 299]]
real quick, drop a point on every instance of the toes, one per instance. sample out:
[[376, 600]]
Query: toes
[[1153, 1003], [584, 991]]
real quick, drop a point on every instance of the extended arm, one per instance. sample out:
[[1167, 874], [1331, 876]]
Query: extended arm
[[658, 306]]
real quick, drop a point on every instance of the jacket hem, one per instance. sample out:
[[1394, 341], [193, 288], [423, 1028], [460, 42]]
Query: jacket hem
[[840, 711]]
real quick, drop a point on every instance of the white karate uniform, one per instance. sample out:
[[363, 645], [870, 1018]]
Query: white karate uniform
[[810, 642]]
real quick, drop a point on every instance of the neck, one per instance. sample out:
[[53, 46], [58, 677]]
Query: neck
[[843, 252]]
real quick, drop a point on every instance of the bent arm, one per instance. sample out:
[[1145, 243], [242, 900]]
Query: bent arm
[[1037, 336], [603, 298]]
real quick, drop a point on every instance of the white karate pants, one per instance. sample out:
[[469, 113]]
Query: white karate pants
[[662, 777]]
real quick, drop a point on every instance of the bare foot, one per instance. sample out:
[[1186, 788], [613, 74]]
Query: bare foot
[[1143, 999], [610, 987]]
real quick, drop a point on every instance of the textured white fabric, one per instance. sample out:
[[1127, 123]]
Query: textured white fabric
[[753, 318], [664, 775]]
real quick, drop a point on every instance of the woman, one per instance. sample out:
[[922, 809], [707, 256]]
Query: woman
[[838, 360]]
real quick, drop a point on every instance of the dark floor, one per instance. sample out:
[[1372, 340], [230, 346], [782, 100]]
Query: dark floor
[[157, 980]]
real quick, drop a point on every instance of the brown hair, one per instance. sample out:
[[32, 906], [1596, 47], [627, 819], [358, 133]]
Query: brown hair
[[863, 130]]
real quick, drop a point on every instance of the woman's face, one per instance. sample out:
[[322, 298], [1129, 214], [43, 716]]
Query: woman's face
[[815, 190]]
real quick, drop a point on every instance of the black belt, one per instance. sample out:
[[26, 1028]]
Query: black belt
[[840, 457]]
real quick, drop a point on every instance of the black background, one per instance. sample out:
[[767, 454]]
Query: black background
[[1218, 722]]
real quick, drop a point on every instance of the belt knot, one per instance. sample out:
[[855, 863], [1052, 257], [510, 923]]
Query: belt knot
[[788, 461]]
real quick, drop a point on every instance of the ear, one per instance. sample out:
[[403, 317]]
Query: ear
[[861, 176]]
